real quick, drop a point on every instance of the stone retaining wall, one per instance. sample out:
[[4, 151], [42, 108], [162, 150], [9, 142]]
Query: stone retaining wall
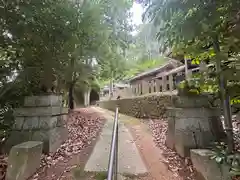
[[152, 105], [192, 122], [149, 106]]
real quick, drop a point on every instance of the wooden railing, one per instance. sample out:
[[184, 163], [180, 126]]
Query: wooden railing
[[164, 82]]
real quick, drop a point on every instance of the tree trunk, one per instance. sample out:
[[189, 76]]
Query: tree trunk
[[225, 99], [70, 97], [71, 86], [111, 87]]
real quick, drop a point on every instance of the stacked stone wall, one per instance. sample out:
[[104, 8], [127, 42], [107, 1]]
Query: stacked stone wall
[[41, 119], [148, 106], [192, 122]]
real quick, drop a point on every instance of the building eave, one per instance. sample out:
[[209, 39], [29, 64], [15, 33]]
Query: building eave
[[154, 70]]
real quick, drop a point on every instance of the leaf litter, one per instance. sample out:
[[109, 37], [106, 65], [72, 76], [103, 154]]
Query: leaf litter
[[179, 166], [83, 126]]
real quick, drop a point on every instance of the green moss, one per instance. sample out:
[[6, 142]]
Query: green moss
[[101, 176], [78, 173]]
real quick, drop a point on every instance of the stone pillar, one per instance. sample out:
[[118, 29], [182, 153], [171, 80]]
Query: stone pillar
[[164, 83], [192, 123], [87, 97], [41, 119]]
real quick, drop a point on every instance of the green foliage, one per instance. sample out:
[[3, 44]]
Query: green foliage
[[144, 66], [60, 44], [178, 27], [203, 30], [42, 38], [188, 88], [222, 156], [134, 68]]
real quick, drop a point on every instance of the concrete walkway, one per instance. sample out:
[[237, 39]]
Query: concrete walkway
[[129, 159]]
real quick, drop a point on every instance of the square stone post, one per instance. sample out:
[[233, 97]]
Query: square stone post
[[41, 119], [192, 123]]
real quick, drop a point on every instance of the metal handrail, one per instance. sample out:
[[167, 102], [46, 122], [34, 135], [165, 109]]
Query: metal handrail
[[113, 158]]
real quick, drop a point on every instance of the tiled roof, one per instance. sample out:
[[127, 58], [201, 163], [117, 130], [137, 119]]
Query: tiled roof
[[176, 70], [154, 70]]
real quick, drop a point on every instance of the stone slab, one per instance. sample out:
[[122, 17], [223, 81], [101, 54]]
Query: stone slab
[[39, 111], [24, 160], [38, 101], [64, 110], [57, 136], [52, 139], [170, 140], [46, 122], [129, 159], [184, 141], [31, 123], [16, 137], [190, 139], [18, 124], [36, 123], [192, 112], [61, 120], [208, 168], [198, 101]]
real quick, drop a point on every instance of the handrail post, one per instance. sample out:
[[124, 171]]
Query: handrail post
[[116, 155], [113, 158]]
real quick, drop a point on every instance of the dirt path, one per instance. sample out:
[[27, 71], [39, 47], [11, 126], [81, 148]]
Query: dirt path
[[84, 127], [151, 155]]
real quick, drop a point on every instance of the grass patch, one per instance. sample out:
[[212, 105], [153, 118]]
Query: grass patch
[[101, 176], [80, 174], [132, 176], [129, 176]]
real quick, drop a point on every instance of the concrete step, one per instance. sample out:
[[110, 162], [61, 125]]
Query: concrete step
[[129, 159]]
